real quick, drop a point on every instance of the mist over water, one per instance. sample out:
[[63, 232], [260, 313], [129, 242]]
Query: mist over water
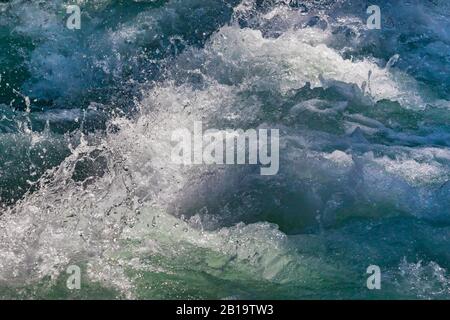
[[86, 118]]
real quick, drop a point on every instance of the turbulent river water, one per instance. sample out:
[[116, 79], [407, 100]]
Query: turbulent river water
[[86, 118]]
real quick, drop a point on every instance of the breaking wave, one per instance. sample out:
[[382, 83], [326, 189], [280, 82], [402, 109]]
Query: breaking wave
[[85, 134]]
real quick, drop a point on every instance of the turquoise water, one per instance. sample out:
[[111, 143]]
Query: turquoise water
[[86, 118]]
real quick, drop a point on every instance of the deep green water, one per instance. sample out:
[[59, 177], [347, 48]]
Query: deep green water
[[86, 118]]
